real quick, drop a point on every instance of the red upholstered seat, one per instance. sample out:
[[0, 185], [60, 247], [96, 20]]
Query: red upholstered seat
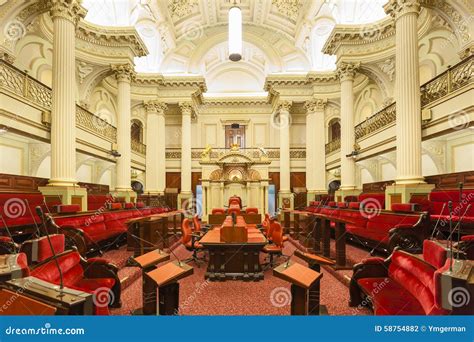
[[377, 199], [67, 208], [439, 205], [95, 202], [404, 207], [378, 226], [410, 287], [251, 210], [435, 253], [230, 211], [38, 250], [74, 270]]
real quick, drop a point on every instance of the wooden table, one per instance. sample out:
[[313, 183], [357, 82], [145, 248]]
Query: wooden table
[[304, 228], [147, 233], [218, 219], [302, 279], [230, 260]]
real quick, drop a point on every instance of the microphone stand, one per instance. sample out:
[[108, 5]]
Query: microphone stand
[[437, 222], [461, 185], [38, 233], [40, 213], [450, 240]]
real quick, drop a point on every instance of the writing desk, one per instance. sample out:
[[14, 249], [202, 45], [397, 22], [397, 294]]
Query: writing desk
[[234, 260]]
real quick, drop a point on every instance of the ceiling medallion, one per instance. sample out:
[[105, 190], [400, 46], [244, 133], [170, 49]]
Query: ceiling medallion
[[181, 8], [288, 8]]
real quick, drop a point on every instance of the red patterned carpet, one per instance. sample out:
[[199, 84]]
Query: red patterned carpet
[[267, 297]]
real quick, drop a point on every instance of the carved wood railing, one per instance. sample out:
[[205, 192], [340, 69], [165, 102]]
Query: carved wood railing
[[449, 81], [333, 146], [138, 147], [379, 120], [22, 85]]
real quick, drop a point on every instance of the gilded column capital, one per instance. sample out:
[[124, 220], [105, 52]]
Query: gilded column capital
[[67, 9], [398, 8], [284, 106], [315, 105], [123, 72], [346, 71], [186, 108], [155, 107]]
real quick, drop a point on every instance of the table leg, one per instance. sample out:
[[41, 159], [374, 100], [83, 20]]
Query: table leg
[[314, 294], [340, 246], [317, 236], [299, 301], [169, 299], [326, 229]]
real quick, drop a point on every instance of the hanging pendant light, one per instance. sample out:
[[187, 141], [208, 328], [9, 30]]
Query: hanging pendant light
[[235, 33]]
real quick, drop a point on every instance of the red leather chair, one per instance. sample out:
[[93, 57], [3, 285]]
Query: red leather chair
[[276, 247], [218, 211], [198, 226], [92, 276], [190, 241], [235, 200], [38, 250], [251, 210]]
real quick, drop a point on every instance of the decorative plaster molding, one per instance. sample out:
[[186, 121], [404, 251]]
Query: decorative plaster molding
[[347, 71], [83, 70], [181, 8], [67, 9], [284, 106], [288, 8], [155, 107], [388, 67], [315, 105], [123, 72]]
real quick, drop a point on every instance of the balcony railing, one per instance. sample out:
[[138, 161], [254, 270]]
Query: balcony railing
[[252, 152], [21, 84], [333, 146], [379, 120], [138, 147], [449, 81]]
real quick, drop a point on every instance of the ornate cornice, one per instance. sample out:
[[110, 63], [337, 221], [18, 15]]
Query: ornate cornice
[[155, 107], [112, 37], [123, 72], [398, 8], [315, 105], [67, 9], [288, 8], [347, 71]]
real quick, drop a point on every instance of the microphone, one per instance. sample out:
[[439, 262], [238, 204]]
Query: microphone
[[234, 219], [33, 217], [180, 263], [435, 229], [461, 185], [40, 213], [15, 250], [450, 239]]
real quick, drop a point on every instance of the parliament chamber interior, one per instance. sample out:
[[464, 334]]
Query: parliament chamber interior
[[236, 157]]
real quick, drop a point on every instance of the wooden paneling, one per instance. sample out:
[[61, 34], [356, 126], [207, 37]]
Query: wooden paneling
[[14, 183], [297, 180], [275, 180], [173, 180], [195, 180], [376, 186]]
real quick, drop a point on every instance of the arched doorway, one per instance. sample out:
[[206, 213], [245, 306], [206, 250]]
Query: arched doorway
[[333, 187]]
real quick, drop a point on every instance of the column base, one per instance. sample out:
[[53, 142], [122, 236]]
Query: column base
[[154, 193], [66, 194], [127, 195], [342, 193], [311, 195], [184, 200], [286, 200], [401, 193]]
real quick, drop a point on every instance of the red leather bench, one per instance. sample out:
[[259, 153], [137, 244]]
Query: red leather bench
[[90, 276], [96, 202], [402, 284], [440, 198]]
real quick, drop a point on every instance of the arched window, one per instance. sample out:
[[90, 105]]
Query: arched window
[[334, 130], [136, 130]]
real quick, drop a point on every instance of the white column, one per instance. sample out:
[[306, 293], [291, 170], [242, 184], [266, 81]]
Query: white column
[[284, 128], [155, 148], [315, 147], [123, 74], [346, 73], [186, 111], [407, 91], [65, 16]]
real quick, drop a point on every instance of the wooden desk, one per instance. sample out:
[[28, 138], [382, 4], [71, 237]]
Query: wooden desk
[[302, 279], [67, 302], [304, 227], [164, 279], [153, 231], [314, 262], [20, 305], [228, 260], [218, 219]]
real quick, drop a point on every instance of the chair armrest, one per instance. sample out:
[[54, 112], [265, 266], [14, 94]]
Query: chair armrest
[[75, 237], [403, 226]]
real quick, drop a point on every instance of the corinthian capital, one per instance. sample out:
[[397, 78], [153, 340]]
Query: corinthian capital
[[284, 106], [398, 8], [67, 9], [186, 108], [315, 105], [155, 107], [346, 71], [123, 72]]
